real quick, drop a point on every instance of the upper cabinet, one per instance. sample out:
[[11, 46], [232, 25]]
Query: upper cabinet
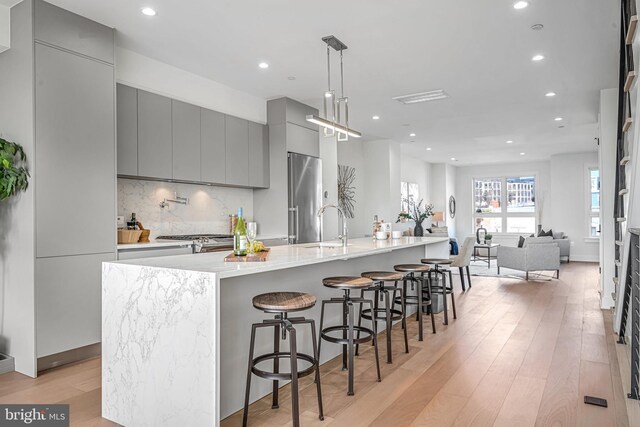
[[186, 141], [127, 130], [166, 139], [154, 136], [237, 146], [258, 155], [213, 151]]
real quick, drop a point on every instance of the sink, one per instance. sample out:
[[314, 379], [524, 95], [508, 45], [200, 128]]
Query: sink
[[329, 245]]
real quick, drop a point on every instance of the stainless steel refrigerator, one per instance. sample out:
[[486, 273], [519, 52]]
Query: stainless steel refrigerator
[[305, 198]]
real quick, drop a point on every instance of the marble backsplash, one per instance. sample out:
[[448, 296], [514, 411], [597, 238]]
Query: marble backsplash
[[207, 212]]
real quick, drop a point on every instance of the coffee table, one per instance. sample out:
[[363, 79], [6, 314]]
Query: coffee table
[[477, 246]]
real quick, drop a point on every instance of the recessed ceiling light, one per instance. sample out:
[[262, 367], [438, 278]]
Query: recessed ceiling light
[[148, 11], [522, 154], [520, 4], [376, 117], [537, 27], [537, 58], [558, 119], [550, 94], [509, 142], [291, 77], [454, 159], [429, 149], [412, 134], [263, 65]]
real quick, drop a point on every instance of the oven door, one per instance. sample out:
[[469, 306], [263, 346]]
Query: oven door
[[213, 248]]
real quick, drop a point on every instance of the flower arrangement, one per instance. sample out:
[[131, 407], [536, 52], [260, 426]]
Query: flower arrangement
[[417, 212], [14, 176]]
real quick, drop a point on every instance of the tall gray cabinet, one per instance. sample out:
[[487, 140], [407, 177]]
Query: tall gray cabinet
[[69, 210]]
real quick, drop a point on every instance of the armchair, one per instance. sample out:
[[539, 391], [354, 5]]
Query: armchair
[[537, 254]]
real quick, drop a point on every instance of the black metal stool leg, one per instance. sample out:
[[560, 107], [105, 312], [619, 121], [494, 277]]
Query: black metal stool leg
[[420, 282], [350, 346], [359, 323], [453, 297], [345, 313], [276, 364], [404, 324], [321, 323], [295, 409], [388, 325], [375, 346], [444, 297], [374, 312], [316, 354], [404, 297], [245, 415], [433, 317]]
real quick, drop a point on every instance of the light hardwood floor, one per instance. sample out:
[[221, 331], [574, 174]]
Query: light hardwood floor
[[519, 354]]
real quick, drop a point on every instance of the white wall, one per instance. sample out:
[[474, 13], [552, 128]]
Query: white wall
[[418, 171], [145, 73], [329, 157], [567, 204], [450, 190], [350, 153]]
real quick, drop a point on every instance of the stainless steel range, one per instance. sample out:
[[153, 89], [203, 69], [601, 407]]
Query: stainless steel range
[[203, 243]]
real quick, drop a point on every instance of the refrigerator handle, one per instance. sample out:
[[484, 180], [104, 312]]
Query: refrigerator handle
[[293, 238]]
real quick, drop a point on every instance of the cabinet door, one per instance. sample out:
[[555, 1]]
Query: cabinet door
[[213, 151], [302, 140], [258, 155], [154, 136], [127, 100], [186, 141], [237, 143], [68, 302], [75, 147]]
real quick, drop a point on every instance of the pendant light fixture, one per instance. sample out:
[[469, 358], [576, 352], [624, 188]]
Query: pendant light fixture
[[335, 109]]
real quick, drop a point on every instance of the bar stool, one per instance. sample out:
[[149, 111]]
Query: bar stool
[[419, 299], [348, 327], [440, 268], [387, 313], [281, 304]]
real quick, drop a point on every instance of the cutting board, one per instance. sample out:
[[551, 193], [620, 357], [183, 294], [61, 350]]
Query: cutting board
[[258, 257]]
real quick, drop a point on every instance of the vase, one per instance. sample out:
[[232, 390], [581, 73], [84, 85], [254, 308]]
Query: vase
[[418, 231]]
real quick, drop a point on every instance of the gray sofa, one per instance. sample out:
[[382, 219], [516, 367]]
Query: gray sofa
[[537, 254], [563, 243]]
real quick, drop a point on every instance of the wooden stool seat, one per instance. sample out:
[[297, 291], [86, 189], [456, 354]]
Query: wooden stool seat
[[347, 282], [437, 261], [412, 268], [383, 276], [284, 302]]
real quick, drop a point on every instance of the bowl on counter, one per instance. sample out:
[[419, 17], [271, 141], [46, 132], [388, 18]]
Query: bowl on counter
[[381, 235], [128, 236]]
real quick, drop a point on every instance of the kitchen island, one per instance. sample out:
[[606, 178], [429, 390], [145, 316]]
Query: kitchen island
[[175, 330]]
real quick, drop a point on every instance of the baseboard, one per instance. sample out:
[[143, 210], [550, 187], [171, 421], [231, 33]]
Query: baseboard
[[584, 258], [70, 356]]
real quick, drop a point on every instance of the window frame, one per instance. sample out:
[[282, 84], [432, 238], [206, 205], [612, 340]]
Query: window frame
[[587, 195], [504, 214]]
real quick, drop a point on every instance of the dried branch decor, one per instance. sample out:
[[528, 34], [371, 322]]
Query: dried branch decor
[[346, 189]]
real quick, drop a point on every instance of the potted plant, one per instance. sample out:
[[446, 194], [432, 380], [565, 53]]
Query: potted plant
[[417, 213], [487, 238], [14, 176]]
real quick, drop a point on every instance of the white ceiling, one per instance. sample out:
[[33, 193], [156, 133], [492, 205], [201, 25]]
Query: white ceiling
[[479, 51]]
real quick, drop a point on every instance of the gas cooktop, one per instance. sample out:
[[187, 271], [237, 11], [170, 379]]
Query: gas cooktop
[[195, 236]]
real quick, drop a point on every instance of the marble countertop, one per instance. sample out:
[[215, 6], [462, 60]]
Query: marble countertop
[[283, 257]]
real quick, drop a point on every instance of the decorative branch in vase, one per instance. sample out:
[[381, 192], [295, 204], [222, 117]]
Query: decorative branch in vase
[[418, 212]]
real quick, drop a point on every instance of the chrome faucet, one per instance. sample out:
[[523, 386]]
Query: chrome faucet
[[344, 236]]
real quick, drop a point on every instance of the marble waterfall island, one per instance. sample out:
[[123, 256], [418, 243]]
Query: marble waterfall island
[[175, 330]]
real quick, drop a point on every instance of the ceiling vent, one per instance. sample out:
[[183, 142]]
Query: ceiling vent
[[414, 98]]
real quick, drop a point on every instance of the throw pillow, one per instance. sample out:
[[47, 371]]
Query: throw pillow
[[521, 242], [545, 233], [558, 235]]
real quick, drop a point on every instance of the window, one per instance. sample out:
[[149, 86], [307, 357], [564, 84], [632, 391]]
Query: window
[[505, 204], [593, 206], [408, 191]]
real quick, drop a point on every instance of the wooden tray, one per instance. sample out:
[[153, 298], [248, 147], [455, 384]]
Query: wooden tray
[[259, 257]]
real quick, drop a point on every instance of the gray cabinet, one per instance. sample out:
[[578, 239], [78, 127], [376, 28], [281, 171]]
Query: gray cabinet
[[213, 150], [60, 27], [237, 146], [258, 155], [186, 141], [68, 302], [75, 148], [127, 101], [302, 140], [154, 136]]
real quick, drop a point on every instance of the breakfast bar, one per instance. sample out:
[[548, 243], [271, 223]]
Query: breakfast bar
[[176, 329]]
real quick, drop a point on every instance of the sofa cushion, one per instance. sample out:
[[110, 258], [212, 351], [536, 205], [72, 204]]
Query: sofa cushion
[[543, 233], [537, 240], [558, 235], [521, 242]]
